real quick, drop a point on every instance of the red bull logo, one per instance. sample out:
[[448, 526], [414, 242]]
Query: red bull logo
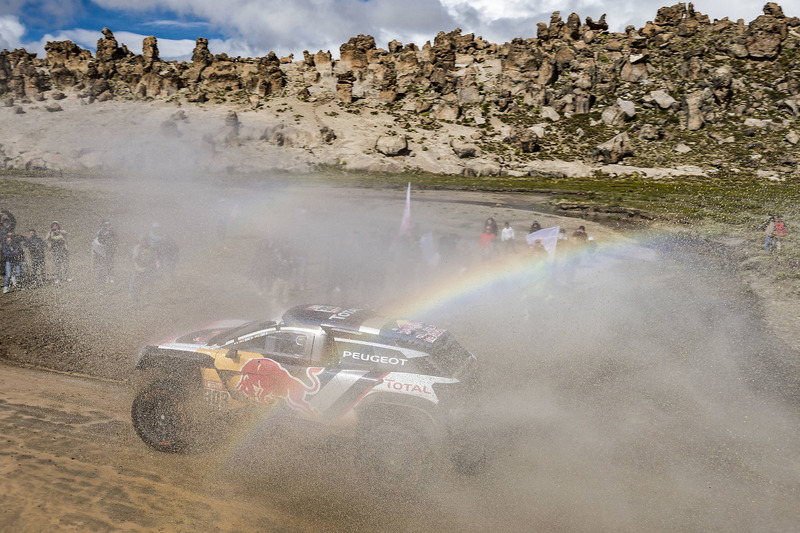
[[266, 381]]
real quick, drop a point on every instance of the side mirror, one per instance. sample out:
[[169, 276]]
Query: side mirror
[[233, 353]]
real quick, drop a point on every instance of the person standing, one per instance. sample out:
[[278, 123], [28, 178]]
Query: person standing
[[57, 238], [487, 242], [780, 231], [769, 228], [104, 248], [507, 237], [8, 222], [491, 225], [12, 255], [537, 251], [144, 268], [35, 246]]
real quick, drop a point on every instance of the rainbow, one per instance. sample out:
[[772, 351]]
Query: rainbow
[[516, 272]]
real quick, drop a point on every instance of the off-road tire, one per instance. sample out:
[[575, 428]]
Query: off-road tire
[[162, 416]]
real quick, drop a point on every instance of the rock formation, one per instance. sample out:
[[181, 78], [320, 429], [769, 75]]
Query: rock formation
[[679, 73]]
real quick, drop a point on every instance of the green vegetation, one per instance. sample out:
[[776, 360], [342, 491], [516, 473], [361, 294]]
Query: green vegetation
[[10, 187]]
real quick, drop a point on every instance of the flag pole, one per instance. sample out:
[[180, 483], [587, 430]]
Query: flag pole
[[405, 223]]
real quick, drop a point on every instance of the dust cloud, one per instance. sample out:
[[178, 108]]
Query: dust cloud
[[626, 390]]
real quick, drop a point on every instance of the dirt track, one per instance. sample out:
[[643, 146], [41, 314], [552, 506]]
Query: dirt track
[[641, 394]]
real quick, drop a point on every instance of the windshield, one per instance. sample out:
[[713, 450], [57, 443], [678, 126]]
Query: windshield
[[232, 334]]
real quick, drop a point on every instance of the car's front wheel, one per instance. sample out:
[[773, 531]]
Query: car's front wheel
[[161, 415]]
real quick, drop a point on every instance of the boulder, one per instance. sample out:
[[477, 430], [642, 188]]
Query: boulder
[[692, 104], [766, 33], [550, 113], [469, 95], [392, 145], [464, 149], [149, 51], [108, 48], [290, 136], [682, 148], [670, 16], [721, 85], [445, 111], [662, 99], [649, 132], [613, 150], [523, 139], [621, 112], [600, 25]]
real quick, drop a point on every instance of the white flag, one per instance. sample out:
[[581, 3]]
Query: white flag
[[548, 236], [405, 224]]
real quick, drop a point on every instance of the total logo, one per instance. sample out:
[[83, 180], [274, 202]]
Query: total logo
[[406, 387], [413, 384]]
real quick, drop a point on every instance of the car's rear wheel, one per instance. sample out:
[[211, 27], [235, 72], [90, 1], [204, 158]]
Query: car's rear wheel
[[162, 416]]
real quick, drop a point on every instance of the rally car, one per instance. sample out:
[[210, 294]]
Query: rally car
[[406, 389]]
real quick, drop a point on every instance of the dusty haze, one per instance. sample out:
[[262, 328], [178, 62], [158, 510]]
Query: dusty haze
[[644, 393]]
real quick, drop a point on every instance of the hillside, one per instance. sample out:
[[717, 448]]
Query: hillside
[[682, 95]]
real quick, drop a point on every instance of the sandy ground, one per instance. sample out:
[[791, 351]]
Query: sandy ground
[[633, 391]]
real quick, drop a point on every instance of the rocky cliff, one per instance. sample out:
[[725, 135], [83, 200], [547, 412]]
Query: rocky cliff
[[681, 92]]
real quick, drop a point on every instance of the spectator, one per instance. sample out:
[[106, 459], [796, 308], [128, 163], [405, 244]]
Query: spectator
[[12, 256], [580, 235], [104, 248], [492, 225], [165, 249], [535, 227], [537, 251], [507, 237], [769, 228], [8, 223], [144, 268], [35, 246], [487, 241], [780, 231], [58, 246]]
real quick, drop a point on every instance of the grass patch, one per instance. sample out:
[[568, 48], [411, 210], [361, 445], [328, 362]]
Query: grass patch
[[16, 188]]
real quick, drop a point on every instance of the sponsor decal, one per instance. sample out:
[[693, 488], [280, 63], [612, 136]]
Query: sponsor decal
[[213, 385], [383, 359], [323, 308], [267, 381], [342, 315], [407, 387], [418, 330], [412, 384]]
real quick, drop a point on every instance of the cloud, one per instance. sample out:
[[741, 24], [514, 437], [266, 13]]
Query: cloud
[[263, 25], [254, 27], [11, 32]]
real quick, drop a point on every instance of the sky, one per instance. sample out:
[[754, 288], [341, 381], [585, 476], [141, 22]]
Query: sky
[[253, 28]]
